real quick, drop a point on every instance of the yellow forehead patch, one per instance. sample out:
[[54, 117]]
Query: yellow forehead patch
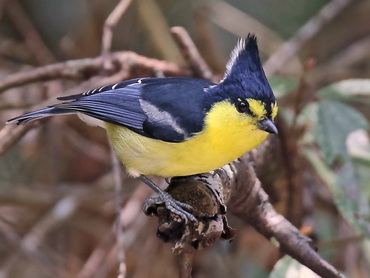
[[274, 109], [257, 107]]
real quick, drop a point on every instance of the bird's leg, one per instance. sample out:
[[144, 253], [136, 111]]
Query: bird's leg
[[171, 204]]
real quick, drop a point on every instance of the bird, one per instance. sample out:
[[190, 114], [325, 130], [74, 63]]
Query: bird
[[179, 126]]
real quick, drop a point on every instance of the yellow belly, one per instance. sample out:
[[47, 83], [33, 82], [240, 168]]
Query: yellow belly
[[227, 135]]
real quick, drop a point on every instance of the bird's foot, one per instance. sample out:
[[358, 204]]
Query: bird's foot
[[170, 203], [174, 206]]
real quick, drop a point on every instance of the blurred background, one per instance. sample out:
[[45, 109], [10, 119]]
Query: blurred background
[[57, 198]]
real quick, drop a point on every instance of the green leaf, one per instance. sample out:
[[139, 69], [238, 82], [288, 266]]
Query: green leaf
[[349, 193], [287, 267], [335, 122], [282, 85], [350, 89], [351, 200], [363, 176]]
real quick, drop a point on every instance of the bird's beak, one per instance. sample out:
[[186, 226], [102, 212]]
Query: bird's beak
[[267, 125]]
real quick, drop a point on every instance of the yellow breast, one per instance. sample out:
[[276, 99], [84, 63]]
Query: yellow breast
[[227, 135]]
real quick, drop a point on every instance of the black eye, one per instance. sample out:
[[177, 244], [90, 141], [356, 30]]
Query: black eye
[[242, 107]]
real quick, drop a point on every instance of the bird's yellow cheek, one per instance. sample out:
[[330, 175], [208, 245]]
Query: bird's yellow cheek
[[224, 118], [239, 131]]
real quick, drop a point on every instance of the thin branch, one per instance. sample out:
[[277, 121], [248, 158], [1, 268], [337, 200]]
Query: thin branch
[[31, 242], [119, 221], [338, 66], [289, 135], [158, 33], [84, 68], [39, 198], [134, 220], [240, 23], [111, 22], [251, 203], [185, 260], [97, 257], [129, 64], [10, 135], [191, 53], [85, 146], [305, 33]]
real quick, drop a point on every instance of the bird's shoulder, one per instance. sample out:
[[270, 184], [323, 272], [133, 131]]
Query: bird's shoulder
[[175, 107]]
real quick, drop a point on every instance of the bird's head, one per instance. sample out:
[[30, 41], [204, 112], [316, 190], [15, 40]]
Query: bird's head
[[245, 89]]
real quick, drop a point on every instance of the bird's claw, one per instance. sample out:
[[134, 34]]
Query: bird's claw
[[174, 206]]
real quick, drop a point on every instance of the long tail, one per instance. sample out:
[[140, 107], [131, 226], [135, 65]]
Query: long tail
[[32, 116]]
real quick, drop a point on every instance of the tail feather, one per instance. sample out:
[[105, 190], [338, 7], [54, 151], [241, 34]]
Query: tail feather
[[36, 115]]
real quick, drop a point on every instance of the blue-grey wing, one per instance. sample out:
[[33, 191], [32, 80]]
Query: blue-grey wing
[[119, 106], [168, 109]]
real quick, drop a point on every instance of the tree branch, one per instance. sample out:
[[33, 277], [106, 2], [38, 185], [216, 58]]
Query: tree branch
[[85, 68], [31, 242], [10, 135], [191, 53], [251, 203], [238, 186], [305, 33], [120, 226], [111, 22]]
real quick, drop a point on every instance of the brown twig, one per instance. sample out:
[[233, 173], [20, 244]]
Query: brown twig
[[133, 218], [293, 172], [10, 135], [83, 145], [119, 221], [97, 257], [37, 257], [30, 243], [110, 23], [158, 33], [206, 40], [240, 23], [191, 53], [289, 135], [40, 199], [305, 33], [128, 63], [338, 66], [251, 203], [185, 256], [84, 68]]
